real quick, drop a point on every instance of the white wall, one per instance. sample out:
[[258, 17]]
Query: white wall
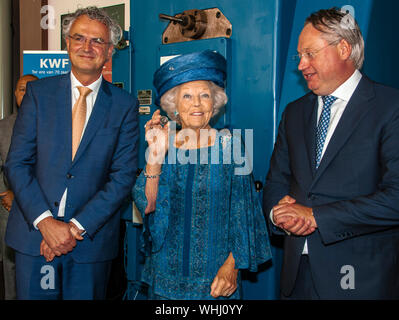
[[62, 7]]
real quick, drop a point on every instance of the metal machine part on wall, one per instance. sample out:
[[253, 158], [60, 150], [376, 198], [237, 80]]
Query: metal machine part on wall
[[122, 44], [196, 24]]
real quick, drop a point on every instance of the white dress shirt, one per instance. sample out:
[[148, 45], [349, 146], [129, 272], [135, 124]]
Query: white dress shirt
[[343, 94], [90, 101]]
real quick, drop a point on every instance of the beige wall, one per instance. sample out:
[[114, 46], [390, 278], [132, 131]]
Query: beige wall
[[6, 86], [30, 30], [62, 7]]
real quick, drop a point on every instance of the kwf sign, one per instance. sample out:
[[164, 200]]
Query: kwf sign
[[53, 63]]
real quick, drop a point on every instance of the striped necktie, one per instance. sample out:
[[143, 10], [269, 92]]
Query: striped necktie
[[322, 126]]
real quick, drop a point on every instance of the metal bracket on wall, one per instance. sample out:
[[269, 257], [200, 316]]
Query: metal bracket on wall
[[123, 43], [196, 24]]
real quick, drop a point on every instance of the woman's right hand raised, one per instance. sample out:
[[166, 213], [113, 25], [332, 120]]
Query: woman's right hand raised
[[157, 137]]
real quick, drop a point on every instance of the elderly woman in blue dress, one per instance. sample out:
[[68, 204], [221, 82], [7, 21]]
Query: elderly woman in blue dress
[[203, 219]]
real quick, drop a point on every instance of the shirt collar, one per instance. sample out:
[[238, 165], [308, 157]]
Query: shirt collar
[[95, 86], [346, 90]]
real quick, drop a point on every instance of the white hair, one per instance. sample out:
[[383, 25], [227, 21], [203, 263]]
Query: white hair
[[94, 13], [336, 25], [168, 100]]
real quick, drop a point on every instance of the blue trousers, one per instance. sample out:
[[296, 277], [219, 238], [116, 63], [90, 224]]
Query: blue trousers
[[60, 279]]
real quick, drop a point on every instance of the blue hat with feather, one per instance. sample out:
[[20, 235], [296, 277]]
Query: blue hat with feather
[[204, 65]]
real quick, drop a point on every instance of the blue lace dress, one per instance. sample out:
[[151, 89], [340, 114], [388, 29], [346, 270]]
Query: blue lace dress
[[203, 212]]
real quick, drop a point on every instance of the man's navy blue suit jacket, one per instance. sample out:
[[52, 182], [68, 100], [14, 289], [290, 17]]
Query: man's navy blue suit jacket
[[40, 167], [354, 194]]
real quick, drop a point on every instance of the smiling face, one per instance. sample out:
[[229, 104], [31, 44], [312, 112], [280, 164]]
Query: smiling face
[[329, 67], [88, 57], [195, 104]]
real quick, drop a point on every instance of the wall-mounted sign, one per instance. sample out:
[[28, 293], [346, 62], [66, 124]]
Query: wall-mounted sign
[[53, 63], [144, 97], [45, 63]]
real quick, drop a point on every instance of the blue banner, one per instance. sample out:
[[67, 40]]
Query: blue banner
[[46, 63]]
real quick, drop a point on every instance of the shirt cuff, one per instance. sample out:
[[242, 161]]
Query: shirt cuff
[[271, 219], [44, 215], [80, 227]]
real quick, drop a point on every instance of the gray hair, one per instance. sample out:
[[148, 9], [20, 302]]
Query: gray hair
[[168, 100], [94, 13], [336, 25]]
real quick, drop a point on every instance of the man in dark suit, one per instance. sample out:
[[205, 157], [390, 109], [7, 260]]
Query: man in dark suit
[[72, 162], [333, 183], [7, 259]]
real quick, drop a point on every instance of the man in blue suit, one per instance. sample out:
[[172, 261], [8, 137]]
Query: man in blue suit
[[72, 162], [333, 183]]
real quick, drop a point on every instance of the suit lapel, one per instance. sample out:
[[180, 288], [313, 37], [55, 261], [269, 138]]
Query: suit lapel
[[355, 110], [310, 121], [63, 106], [100, 110]]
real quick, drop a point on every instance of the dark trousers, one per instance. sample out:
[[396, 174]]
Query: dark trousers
[[304, 286], [61, 278]]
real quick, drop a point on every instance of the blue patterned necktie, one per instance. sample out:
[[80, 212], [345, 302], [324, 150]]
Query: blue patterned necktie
[[322, 126]]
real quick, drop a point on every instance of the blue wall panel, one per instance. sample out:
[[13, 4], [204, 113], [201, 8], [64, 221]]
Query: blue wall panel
[[252, 71], [382, 44], [253, 77], [263, 78]]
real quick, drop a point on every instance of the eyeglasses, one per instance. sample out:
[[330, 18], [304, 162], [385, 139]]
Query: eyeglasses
[[95, 42], [310, 55]]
